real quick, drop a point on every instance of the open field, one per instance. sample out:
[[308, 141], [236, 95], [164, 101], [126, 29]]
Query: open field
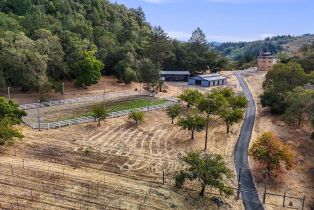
[[299, 181], [115, 166], [116, 150]]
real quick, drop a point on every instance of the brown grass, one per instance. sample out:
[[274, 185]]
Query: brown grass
[[112, 166], [298, 181]]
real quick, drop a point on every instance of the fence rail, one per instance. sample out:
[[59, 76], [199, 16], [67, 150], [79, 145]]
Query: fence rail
[[81, 120], [82, 100]]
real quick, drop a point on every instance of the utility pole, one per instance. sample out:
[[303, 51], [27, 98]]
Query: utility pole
[[207, 125], [9, 95], [38, 117]]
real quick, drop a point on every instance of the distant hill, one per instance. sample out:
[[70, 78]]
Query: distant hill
[[245, 50], [293, 46]]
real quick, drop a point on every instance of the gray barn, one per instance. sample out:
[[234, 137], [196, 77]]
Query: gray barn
[[174, 75], [208, 80]]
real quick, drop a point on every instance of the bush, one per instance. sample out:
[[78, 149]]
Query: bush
[[137, 116]]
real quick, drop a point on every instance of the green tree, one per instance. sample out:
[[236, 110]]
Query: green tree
[[129, 76], [34, 20], [174, 111], [149, 74], [160, 46], [100, 113], [285, 77], [271, 153], [198, 37], [191, 97], [210, 169], [299, 103], [21, 7], [200, 58], [281, 79], [231, 116], [21, 62], [90, 70], [8, 134], [10, 115], [48, 44], [226, 104], [192, 121], [125, 73], [283, 57], [11, 110], [137, 116]]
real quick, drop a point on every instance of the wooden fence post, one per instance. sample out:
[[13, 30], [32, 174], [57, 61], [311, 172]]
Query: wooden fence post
[[284, 199]]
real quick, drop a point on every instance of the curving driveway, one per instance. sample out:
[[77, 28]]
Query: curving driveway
[[248, 190]]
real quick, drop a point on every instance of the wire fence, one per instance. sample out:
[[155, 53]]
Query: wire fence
[[87, 99], [279, 199], [87, 119]]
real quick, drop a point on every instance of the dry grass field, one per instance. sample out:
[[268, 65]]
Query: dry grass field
[[299, 181], [115, 166], [118, 151]]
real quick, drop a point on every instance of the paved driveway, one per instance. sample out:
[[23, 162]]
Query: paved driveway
[[248, 190]]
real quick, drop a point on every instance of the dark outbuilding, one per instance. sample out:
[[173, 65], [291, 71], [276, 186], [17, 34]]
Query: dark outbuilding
[[174, 75]]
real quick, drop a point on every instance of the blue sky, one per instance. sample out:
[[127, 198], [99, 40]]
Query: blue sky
[[229, 20]]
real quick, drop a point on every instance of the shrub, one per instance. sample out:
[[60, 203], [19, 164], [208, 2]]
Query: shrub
[[137, 116]]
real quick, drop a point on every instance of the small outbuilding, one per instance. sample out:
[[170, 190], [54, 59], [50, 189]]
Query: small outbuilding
[[208, 80], [174, 75], [265, 61]]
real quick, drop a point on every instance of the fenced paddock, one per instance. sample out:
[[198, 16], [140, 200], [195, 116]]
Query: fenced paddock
[[81, 120], [89, 99]]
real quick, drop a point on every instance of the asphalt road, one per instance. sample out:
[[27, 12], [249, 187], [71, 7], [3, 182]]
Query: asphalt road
[[249, 194]]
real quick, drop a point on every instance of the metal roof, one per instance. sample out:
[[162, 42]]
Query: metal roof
[[175, 72], [208, 75], [214, 78]]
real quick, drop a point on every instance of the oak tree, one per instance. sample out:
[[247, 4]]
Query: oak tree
[[269, 151], [210, 169]]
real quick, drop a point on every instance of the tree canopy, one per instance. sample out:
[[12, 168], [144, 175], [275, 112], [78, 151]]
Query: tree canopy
[[10, 115], [192, 121], [45, 41], [271, 153], [281, 79], [211, 170], [300, 105], [137, 116], [226, 104]]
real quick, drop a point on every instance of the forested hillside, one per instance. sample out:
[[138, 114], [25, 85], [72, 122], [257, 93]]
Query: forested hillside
[[246, 52], [45, 41]]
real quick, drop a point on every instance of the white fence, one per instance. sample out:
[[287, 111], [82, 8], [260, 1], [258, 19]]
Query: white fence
[[82, 100], [77, 121]]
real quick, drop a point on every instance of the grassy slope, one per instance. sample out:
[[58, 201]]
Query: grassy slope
[[294, 46]]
